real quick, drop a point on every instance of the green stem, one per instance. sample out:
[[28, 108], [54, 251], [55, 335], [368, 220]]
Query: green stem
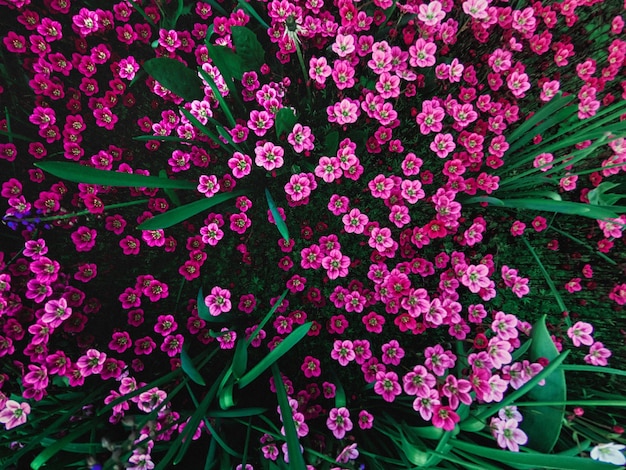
[[580, 242], [303, 67]]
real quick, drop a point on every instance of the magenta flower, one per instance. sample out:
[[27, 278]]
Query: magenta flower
[[86, 22], [311, 367], [84, 238], [444, 417], [227, 338], [218, 301], [598, 355], [298, 187], [269, 156], [422, 53], [387, 385], [120, 342], [343, 352], [173, 345], [144, 345], [336, 264], [443, 145], [91, 363], [56, 312], [339, 422]]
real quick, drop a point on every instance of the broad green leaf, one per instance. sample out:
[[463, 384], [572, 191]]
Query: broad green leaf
[[272, 357], [542, 424], [228, 63], [417, 454], [248, 47], [280, 223], [225, 393], [296, 460], [77, 173], [203, 309], [176, 77], [170, 193], [187, 365], [539, 460], [285, 120], [600, 196], [179, 214], [331, 142]]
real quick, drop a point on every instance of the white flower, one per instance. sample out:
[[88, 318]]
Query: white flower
[[610, 453]]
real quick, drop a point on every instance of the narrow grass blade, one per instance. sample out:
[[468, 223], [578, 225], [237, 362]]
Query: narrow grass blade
[[296, 460], [252, 12], [205, 130], [547, 461], [188, 368], [13, 135], [267, 317], [549, 281], [176, 77], [179, 214], [49, 452], [580, 242], [236, 413], [218, 96], [280, 223], [240, 359], [542, 424], [77, 173], [597, 369], [279, 351]]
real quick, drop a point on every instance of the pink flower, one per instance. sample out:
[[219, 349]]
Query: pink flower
[[344, 112], [144, 346], [443, 145], [301, 138], [476, 8], [311, 367], [84, 238], [14, 414], [319, 70], [476, 277], [208, 185], [56, 312], [298, 187], [105, 118], [507, 434], [518, 83], [328, 169], [598, 355], [580, 333], [260, 122], [91, 363], [425, 402], [343, 45], [211, 234], [444, 417], [218, 301], [339, 422], [120, 342], [269, 156], [354, 221], [173, 345], [343, 352], [431, 14], [336, 264], [227, 338], [422, 53], [86, 22], [387, 385]]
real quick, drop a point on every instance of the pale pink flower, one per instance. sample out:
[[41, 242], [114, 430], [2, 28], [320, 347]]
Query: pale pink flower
[[14, 414], [580, 333], [422, 53], [91, 363], [387, 385], [598, 355], [507, 434], [56, 312], [269, 156], [431, 14], [336, 264], [339, 422], [343, 352], [476, 8], [343, 45]]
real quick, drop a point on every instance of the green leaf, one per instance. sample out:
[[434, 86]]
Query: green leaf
[[176, 77], [267, 317], [252, 12], [240, 359], [236, 412], [539, 460], [597, 369], [49, 452], [280, 223], [187, 365], [331, 142], [283, 348], [218, 96], [228, 63], [179, 214], [285, 120], [598, 196], [248, 47], [296, 460], [542, 424], [77, 173]]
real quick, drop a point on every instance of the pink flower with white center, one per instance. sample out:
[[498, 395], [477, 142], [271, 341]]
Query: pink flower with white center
[[218, 301], [173, 345], [524, 20], [151, 399], [549, 90], [260, 122], [56, 312], [520, 286], [612, 228], [388, 86], [443, 145], [269, 156], [399, 216], [381, 187], [497, 387], [354, 221], [419, 381], [580, 333], [444, 417], [588, 107], [457, 391], [211, 234], [425, 402], [475, 277], [319, 70], [499, 352], [208, 185], [43, 117], [500, 60], [301, 138], [343, 45], [227, 339], [422, 53], [542, 161], [505, 326], [91, 363], [573, 285], [380, 239], [201, 110], [464, 114], [507, 434], [84, 238], [14, 414], [128, 67], [518, 83], [86, 22], [336, 264], [392, 353], [347, 454], [343, 352], [328, 169], [412, 191], [298, 187], [339, 422], [598, 355], [344, 112], [455, 71], [431, 14], [169, 40], [387, 386], [240, 164], [476, 9]]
